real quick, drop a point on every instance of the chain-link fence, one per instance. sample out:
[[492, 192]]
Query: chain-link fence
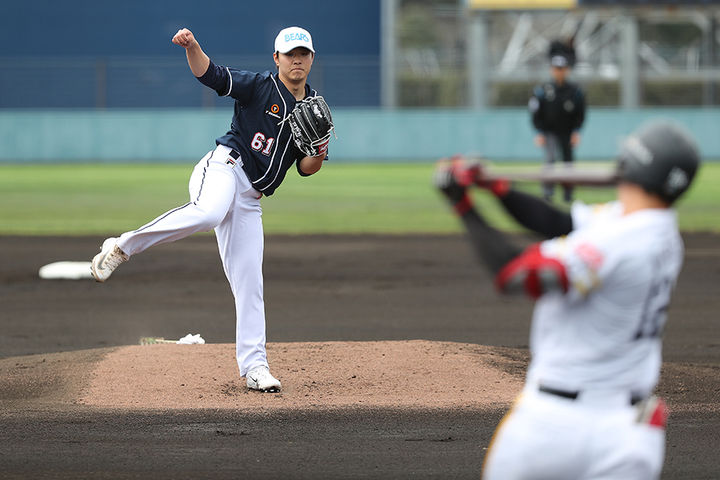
[[677, 52]]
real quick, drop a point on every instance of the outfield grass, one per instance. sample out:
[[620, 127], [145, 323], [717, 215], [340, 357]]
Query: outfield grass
[[342, 198]]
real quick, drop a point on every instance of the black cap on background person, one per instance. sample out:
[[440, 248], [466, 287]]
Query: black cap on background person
[[561, 54]]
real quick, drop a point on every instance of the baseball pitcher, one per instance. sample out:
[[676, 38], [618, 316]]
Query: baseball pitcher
[[603, 281], [278, 121]]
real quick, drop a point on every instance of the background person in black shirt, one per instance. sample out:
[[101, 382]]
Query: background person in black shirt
[[558, 111]]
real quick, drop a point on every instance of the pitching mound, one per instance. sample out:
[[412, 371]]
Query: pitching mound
[[414, 374]]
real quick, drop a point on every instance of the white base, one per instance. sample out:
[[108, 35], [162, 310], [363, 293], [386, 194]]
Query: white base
[[65, 271]]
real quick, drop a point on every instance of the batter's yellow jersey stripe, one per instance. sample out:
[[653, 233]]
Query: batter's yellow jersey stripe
[[497, 430]]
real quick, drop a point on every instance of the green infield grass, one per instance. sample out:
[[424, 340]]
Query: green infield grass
[[342, 198]]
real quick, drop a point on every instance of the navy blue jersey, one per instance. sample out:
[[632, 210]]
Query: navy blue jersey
[[257, 131], [557, 108]]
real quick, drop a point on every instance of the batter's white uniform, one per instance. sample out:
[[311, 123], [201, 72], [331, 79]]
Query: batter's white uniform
[[599, 342], [221, 197]]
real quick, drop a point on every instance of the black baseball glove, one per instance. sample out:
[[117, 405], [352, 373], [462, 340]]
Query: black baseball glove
[[311, 125]]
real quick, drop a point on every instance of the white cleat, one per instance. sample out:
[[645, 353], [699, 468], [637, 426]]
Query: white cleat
[[260, 378], [109, 258]]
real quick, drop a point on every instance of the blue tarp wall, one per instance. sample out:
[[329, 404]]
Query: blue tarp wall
[[90, 54]]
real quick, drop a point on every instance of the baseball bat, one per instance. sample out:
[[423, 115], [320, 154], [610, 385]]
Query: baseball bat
[[563, 175]]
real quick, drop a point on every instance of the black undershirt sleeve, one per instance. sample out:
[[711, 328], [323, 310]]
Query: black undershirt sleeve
[[492, 246], [536, 214]]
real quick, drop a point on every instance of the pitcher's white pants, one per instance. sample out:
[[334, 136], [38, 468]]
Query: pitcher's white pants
[[221, 197]]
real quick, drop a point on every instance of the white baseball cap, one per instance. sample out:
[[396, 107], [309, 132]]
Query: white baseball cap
[[293, 37]]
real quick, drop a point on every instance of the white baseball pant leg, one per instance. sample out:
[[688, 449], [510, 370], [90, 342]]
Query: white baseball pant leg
[[241, 242], [548, 437], [221, 197]]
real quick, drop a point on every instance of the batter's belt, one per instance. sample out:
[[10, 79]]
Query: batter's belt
[[579, 395]]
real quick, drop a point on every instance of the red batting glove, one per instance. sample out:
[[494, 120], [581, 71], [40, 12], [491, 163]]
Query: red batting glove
[[472, 172], [446, 180], [465, 173], [499, 187]]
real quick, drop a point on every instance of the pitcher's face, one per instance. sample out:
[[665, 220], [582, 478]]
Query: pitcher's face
[[294, 65]]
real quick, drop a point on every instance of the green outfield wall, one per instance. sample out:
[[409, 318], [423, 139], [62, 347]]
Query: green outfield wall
[[176, 135]]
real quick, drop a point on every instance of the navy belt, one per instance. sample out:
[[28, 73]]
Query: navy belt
[[573, 395]]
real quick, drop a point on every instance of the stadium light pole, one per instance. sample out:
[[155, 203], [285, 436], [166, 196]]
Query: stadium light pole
[[477, 59], [630, 73], [710, 36], [388, 54]]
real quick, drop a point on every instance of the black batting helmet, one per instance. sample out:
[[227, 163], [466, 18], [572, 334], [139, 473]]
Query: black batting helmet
[[660, 157]]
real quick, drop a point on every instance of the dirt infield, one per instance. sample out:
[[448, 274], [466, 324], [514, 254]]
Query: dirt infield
[[396, 356]]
